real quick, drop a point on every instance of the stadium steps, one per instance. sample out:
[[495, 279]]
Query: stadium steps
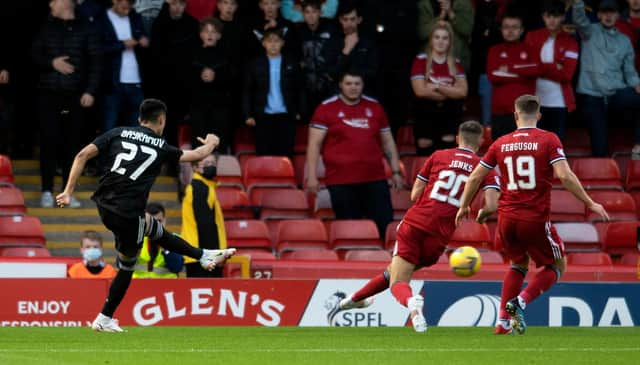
[[63, 227]]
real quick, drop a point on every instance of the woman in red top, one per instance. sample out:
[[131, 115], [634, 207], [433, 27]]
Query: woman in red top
[[440, 86]]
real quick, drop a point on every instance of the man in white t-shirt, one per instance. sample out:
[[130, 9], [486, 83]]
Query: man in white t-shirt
[[557, 58], [123, 36]]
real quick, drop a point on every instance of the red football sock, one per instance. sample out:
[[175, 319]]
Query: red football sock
[[511, 286], [542, 282], [377, 284], [402, 292]]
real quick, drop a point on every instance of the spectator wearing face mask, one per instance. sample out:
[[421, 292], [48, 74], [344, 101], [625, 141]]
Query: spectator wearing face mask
[[92, 265], [202, 220]]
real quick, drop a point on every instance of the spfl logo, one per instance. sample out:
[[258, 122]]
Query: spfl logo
[[332, 305], [477, 310]]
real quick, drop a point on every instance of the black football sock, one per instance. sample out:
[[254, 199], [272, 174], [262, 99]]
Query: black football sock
[[174, 243], [117, 290]]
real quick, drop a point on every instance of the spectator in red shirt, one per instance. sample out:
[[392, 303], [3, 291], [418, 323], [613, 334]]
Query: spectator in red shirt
[[556, 53], [440, 86], [510, 68], [352, 132], [629, 24]]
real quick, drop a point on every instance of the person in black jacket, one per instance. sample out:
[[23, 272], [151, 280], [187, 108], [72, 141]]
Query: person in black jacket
[[174, 36], [272, 99], [211, 74], [123, 41], [315, 33], [270, 18], [355, 51], [67, 53]]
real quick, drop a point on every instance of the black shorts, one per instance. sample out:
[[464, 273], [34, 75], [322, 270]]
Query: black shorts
[[128, 231]]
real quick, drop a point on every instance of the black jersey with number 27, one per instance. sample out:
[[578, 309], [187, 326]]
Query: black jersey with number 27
[[133, 158]]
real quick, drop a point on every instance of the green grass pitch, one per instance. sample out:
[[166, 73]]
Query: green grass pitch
[[292, 345]]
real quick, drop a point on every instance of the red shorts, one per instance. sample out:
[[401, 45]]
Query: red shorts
[[538, 240], [417, 246]]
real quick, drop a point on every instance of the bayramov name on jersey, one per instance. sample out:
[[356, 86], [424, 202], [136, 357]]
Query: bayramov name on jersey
[[142, 137], [519, 146], [461, 165]]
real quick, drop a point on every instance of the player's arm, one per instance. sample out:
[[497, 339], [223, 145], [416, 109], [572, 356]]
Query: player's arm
[[470, 189], [88, 152], [570, 182], [316, 139], [490, 205], [208, 145], [391, 153], [417, 189]]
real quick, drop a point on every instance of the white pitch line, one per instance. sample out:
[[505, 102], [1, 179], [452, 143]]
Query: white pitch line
[[330, 350]]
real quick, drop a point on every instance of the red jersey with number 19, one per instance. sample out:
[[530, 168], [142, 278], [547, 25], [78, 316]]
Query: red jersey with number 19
[[525, 158], [445, 172]]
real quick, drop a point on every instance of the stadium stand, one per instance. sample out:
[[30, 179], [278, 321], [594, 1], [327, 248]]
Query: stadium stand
[[578, 237], [589, 259], [6, 170], [405, 141], [401, 202], [21, 230], [229, 173], [598, 173], [367, 255], [565, 207], [619, 205], [632, 178], [620, 238], [314, 255], [302, 137], [577, 142], [491, 257], [244, 141], [354, 234], [470, 233], [235, 204], [281, 203], [248, 234], [301, 234], [268, 171], [630, 259], [24, 252], [390, 235], [321, 203], [11, 200]]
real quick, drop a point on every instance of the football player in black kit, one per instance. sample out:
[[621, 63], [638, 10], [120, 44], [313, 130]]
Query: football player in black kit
[[133, 158]]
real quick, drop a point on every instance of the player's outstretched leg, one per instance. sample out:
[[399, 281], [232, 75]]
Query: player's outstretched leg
[[208, 258], [540, 283], [511, 286], [104, 321], [401, 271], [361, 298]]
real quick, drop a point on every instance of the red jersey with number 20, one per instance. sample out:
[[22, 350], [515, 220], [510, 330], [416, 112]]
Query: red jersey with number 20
[[525, 158], [445, 172]]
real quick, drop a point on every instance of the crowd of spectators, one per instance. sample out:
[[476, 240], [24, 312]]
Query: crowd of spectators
[[86, 64]]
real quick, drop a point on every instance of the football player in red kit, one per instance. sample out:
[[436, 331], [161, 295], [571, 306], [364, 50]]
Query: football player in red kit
[[527, 159], [425, 230]]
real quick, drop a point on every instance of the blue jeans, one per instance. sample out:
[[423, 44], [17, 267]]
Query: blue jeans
[[485, 92], [596, 110], [124, 99]]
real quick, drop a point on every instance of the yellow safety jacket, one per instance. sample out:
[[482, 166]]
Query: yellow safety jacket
[[159, 268], [202, 220]]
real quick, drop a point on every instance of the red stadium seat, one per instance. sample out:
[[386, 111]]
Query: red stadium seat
[[11, 201], [619, 205], [281, 203], [322, 205], [21, 230], [234, 203], [577, 142], [244, 141], [311, 255], [257, 254], [578, 237], [301, 234], [24, 252], [367, 255], [268, 171], [229, 172], [635, 194], [491, 257], [401, 202], [620, 238], [6, 169], [598, 173], [470, 233], [632, 179], [589, 259], [354, 234], [405, 141], [443, 259], [248, 233], [565, 207], [390, 235], [631, 259]]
